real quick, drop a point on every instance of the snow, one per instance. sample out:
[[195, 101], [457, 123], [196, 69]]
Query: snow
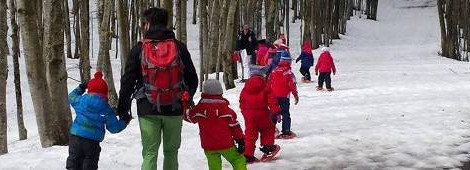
[[397, 105]]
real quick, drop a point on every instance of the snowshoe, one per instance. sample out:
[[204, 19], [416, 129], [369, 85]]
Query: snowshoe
[[270, 153], [277, 132], [290, 135]]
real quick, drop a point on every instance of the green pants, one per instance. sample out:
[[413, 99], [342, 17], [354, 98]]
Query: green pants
[[152, 129], [231, 155]]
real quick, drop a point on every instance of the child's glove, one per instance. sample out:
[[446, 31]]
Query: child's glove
[[240, 145], [296, 100], [316, 73], [276, 118], [83, 85]]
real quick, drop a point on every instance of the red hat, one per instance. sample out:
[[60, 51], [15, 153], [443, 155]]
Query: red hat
[[98, 85]]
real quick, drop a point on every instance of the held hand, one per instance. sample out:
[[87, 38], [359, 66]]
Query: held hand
[[126, 118], [334, 73], [316, 73], [296, 98], [276, 118]]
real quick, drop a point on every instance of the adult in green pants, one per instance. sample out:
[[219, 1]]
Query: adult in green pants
[[159, 120]]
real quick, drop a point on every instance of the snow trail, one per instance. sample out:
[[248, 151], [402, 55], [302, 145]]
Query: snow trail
[[398, 105]]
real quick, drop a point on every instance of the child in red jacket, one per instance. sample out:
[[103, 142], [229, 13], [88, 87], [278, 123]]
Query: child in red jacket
[[282, 83], [218, 128], [325, 66], [259, 108]]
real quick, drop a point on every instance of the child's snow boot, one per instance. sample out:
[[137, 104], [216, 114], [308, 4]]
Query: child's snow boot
[[319, 88], [330, 89]]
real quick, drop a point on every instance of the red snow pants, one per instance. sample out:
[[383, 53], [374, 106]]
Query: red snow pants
[[257, 122]]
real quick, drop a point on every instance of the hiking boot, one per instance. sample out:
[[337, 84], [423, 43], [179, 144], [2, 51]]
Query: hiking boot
[[251, 159]]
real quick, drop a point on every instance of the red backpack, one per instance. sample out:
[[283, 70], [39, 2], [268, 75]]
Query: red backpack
[[162, 71]]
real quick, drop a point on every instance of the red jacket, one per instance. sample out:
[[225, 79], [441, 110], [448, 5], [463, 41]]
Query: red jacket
[[218, 125], [325, 63], [262, 55], [255, 96], [282, 80]]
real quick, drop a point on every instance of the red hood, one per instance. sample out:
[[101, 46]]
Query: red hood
[[284, 65], [307, 47], [255, 84]]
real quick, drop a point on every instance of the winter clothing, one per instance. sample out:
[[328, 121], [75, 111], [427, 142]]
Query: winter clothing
[[218, 123], [212, 87], [306, 58], [153, 129], [98, 85], [246, 60], [166, 121], [325, 63], [262, 55], [324, 77], [218, 129], [284, 102], [282, 80], [280, 44], [231, 155], [305, 71], [132, 79], [257, 106], [93, 115], [247, 40], [83, 153]]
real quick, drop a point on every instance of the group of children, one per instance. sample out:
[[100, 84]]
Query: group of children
[[264, 102]]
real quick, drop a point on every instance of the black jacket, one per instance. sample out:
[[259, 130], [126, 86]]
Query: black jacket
[[244, 43], [132, 79]]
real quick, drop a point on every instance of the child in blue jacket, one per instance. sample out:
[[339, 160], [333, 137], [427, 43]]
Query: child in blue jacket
[[306, 58], [93, 115]]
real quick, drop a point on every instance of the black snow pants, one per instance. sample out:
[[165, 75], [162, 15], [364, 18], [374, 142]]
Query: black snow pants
[[83, 154]]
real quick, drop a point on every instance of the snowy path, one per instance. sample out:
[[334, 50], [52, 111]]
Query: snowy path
[[398, 105]]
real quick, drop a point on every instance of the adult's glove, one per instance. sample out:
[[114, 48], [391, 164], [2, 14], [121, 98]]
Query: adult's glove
[[240, 145]]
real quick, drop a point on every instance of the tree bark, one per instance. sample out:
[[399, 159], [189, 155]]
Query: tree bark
[[36, 71], [22, 132], [104, 60], [3, 77], [214, 36], [228, 46], [195, 9], [68, 36], [221, 36], [76, 25], [60, 116], [85, 40], [168, 5], [124, 45]]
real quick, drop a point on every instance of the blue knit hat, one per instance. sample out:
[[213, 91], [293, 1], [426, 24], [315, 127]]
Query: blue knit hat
[[285, 56]]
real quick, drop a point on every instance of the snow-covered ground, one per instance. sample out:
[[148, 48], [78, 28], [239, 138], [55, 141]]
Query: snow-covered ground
[[398, 105]]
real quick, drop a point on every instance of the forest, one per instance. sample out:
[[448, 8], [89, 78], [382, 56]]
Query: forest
[[47, 34]]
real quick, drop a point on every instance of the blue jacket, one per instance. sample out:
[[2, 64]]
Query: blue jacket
[[93, 113], [306, 59]]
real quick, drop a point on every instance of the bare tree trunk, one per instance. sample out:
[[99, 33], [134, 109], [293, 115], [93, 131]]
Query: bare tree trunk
[[270, 13], [221, 36], [184, 17], [85, 40], [60, 116], [214, 36], [205, 37], [68, 36], [201, 8], [3, 77], [195, 9], [28, 20], [22, 132], [228, 45], [104, 60], [168, 5], [76, 25], [124, 45]]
